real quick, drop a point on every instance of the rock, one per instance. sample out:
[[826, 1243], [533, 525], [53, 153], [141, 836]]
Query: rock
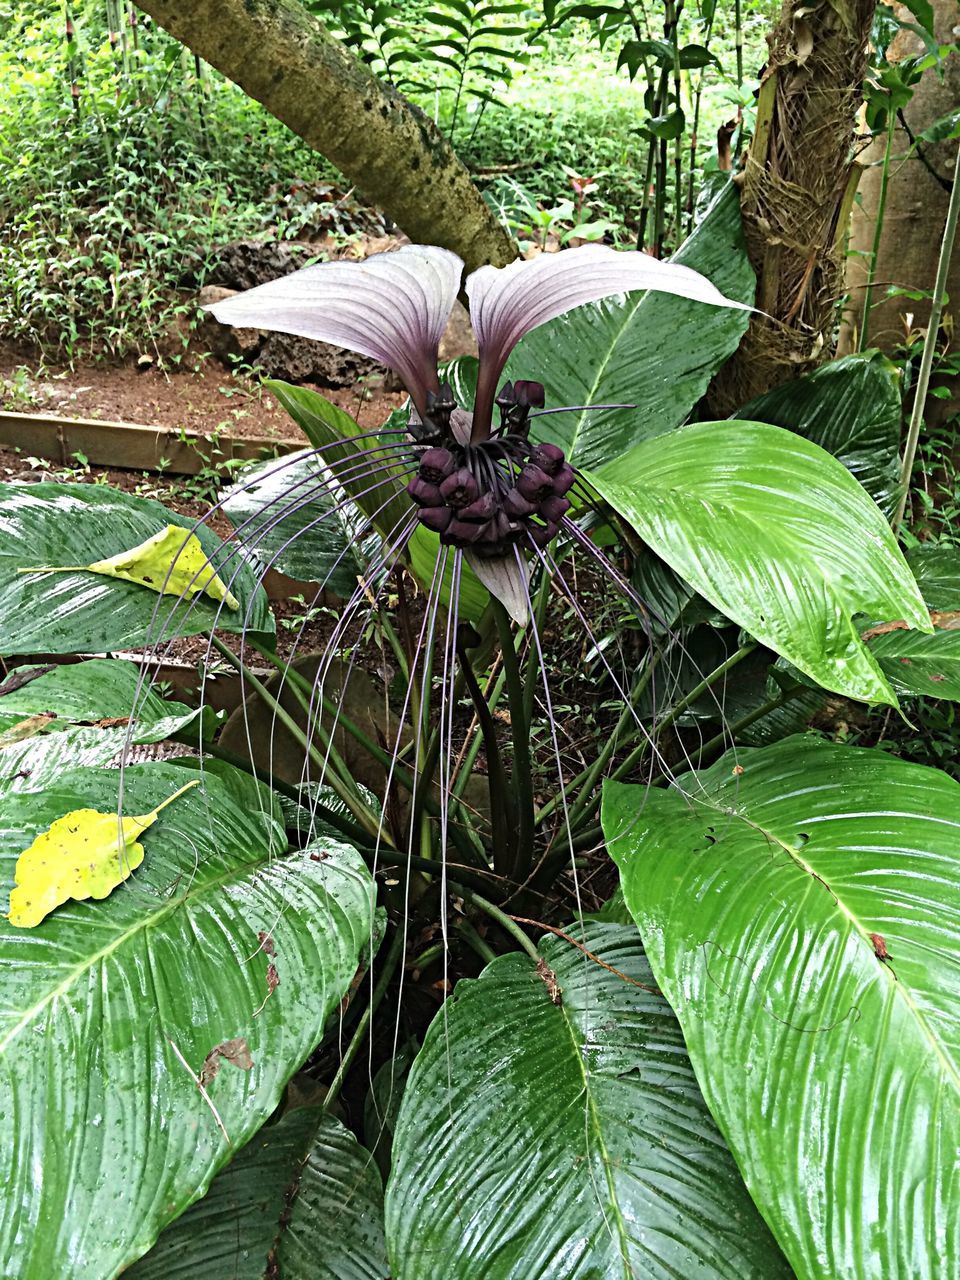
[[247, 263], [230, 346], [244, 264], [284, 355]]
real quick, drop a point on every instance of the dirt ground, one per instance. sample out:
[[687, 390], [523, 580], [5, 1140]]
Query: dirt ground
[[205, 399]]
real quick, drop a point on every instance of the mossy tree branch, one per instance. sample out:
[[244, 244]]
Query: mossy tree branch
[[383, 144]]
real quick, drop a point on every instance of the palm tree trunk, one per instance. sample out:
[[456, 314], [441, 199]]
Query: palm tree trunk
[[798, 187]]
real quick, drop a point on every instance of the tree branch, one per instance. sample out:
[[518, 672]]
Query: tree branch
[[281, 56]]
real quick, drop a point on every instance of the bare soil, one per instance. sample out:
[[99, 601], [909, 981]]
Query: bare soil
[[206, 398]]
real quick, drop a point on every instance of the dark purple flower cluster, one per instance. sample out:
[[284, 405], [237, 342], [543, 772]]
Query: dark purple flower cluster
[[492, 494]]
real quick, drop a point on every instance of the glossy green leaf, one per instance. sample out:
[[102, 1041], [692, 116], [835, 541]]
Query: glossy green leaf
[[302, 1187], [324, 422], [51, 524], [651, 350], [85, 697], [850, 407], [334, 1230], [95, 691], [761, 522], [800, 906], [918, 665], [547, 1141], [937, 571], [284, 512], [111, 1009]]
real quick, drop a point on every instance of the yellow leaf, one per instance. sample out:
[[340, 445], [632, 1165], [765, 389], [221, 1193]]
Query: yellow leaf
[[84, 854], [25, 729], [172, 562]]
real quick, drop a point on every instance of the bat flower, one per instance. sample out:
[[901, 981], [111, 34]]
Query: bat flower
[[483, 486]]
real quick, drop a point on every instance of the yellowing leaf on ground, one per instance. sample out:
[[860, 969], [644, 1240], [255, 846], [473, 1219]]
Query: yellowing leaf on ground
[[172, 562], [84, 854]]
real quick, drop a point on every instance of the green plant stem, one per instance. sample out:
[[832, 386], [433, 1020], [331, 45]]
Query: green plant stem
[[930, 345], [302, 690], [877, 232], [475, 942], [492, 693], [355, 834], [379, 991], [520, 736], [393, 640], [427, 956], [503, 920], [503, 815], [533, 650], [729, 735], [677, 710], [585, 781], [370, 823]]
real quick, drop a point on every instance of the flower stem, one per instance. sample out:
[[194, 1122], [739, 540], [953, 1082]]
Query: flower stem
[[503, 816], [503, 920], [370, 823], [520, 734], [353, 1048], [587, 809], [475, 942], [772, 704]]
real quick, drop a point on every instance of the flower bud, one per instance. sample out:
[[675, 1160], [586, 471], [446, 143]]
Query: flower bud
[[463, 531], [424, 494], [542, 534], [481, 510], [563, 480], [534, 484], [552, 508], [436, 465], [529, 394], [436, 518], [548, 457], [514, 504], [459, 489]]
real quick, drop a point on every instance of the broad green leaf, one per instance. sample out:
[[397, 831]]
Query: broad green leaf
[[389, 508], [286, 515], [650, 350], [325, 425], [80, 714], [95, 692], [111, 1009], [334, 1230], [84, 854], [777, 535], [39, 761], [547, 1141], [800, 905], [850, 407], [937, 571], [169, 562], [59, 524], [918, 665], [302, 1187]]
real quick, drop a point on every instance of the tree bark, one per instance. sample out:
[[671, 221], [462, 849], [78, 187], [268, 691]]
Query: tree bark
[[798, 187], [383, 144], [918, 193]]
